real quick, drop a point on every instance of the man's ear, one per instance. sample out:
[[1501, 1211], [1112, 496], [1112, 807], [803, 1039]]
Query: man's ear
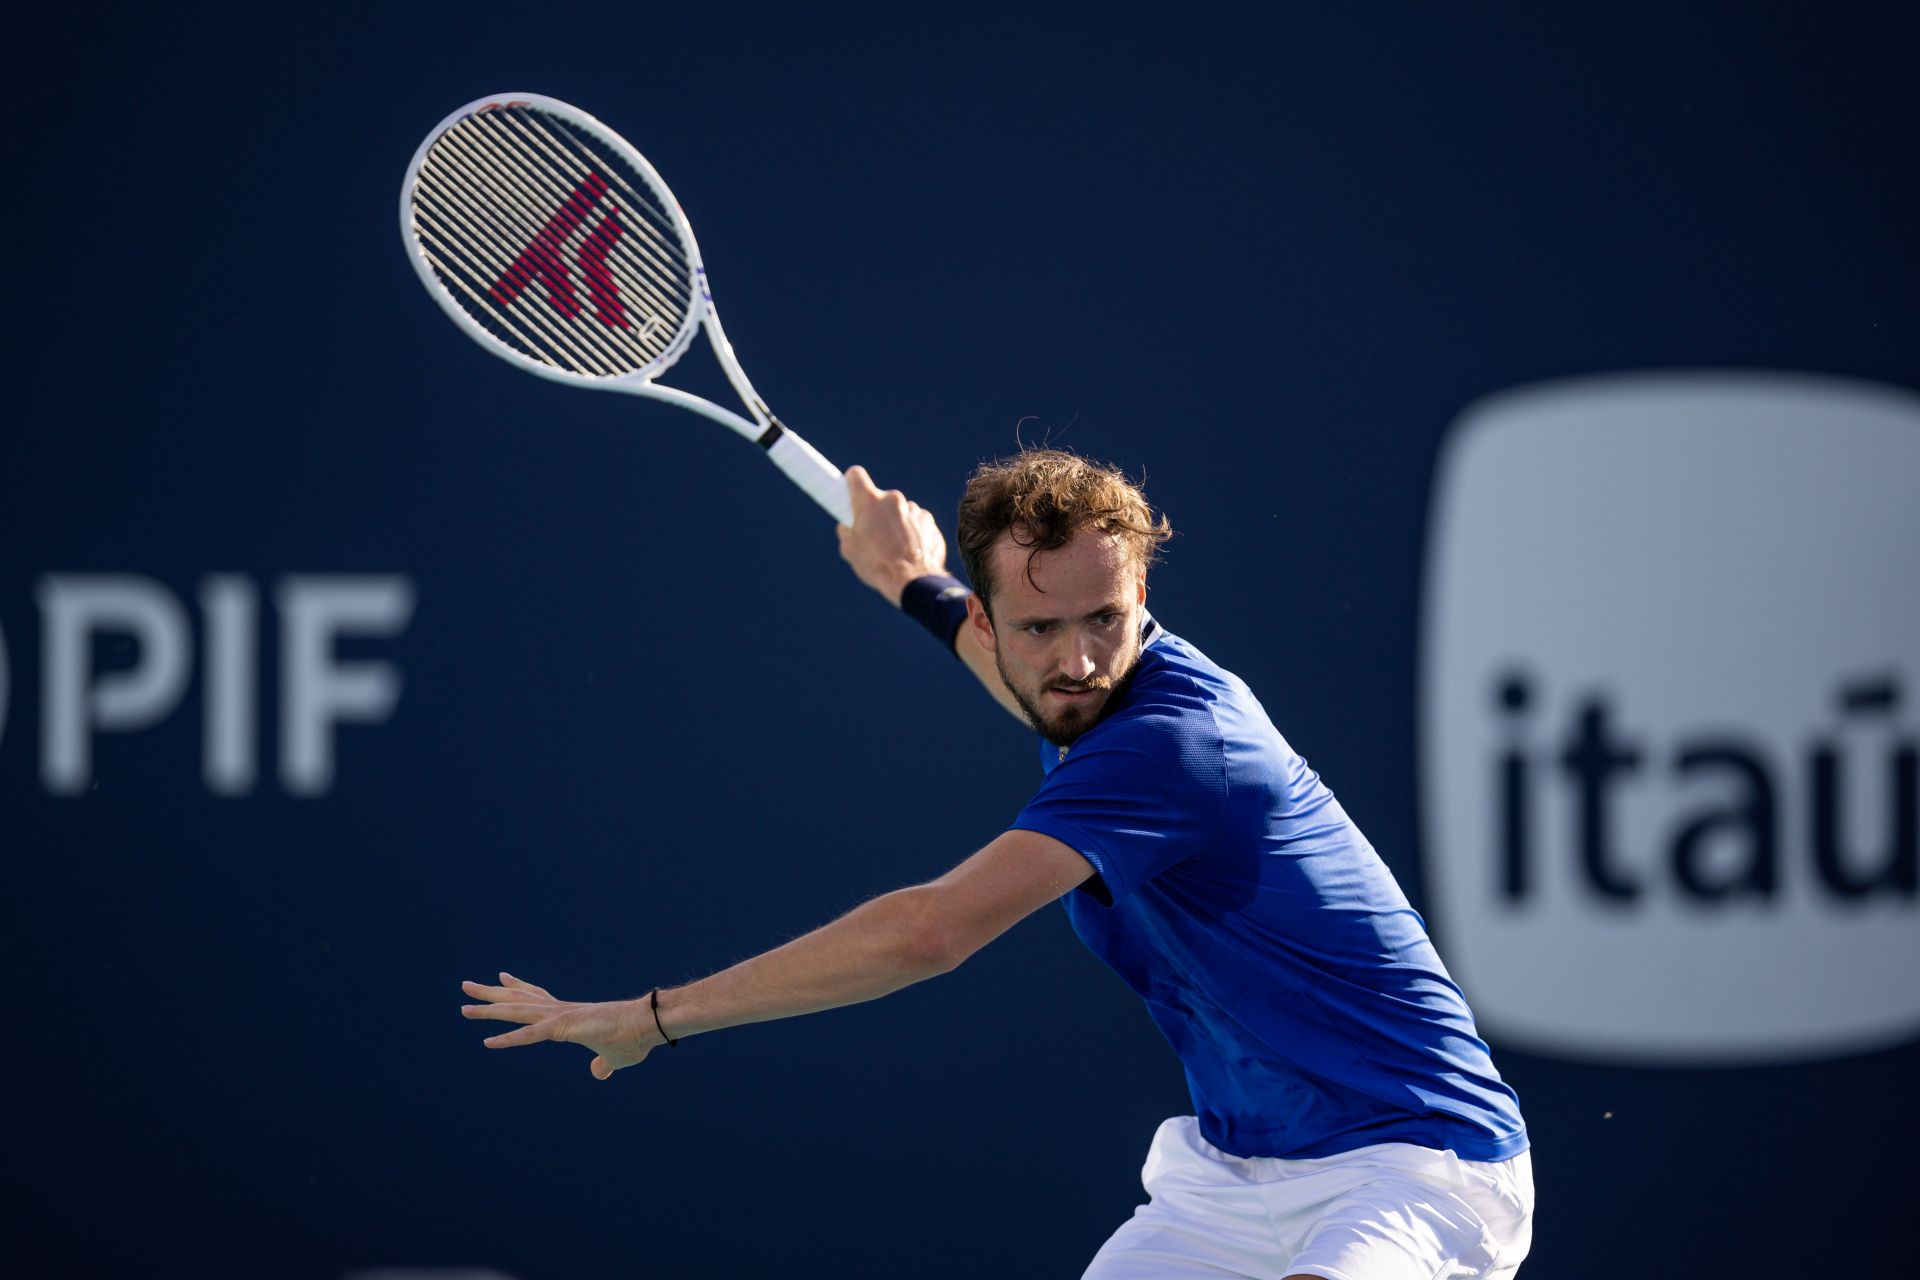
[[1143, 587], [981, 623]]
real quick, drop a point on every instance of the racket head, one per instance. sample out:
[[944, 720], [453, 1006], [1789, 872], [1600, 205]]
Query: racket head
[[552, 242]]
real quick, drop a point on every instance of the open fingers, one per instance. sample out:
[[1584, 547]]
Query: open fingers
[[508, 1012], [512, 981], [514, 1039], [518, 995]]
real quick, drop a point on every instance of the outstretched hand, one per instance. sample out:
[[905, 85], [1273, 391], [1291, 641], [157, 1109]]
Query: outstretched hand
[[621, 1033], [892, 540]]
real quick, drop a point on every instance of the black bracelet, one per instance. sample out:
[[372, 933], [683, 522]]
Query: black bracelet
[[937, 602], [654, 1000]]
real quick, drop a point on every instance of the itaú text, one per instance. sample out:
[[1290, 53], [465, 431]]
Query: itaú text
[[1727, 847]]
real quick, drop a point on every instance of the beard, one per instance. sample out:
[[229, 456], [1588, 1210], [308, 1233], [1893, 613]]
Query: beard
[[1065, 725]]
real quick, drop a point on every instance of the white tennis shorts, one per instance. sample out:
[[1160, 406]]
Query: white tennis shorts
[[1386, 1212]]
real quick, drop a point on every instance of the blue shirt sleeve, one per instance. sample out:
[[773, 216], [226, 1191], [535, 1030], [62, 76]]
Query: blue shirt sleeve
[[1135, 796]]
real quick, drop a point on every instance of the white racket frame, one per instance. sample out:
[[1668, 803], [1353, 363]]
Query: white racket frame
[[800, 461]]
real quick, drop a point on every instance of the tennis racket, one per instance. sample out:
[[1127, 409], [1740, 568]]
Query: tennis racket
[[554, 244]]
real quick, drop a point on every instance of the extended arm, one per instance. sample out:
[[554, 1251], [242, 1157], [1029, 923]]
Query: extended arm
[[879, 947], [893, 541]]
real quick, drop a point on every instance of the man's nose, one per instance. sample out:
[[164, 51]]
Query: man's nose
[[1078, 663]]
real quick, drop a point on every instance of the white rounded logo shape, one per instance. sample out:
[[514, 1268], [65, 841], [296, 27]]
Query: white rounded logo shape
[[1670, 701]]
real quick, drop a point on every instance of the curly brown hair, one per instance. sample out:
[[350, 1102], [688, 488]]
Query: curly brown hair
[[1042, 497]]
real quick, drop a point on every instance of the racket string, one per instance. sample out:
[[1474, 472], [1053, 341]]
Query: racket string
[[458, 231], [668, 264], [579, 156], [526, 343], [506, 201], [507, 229], [648, 283], [554, 348], [534, 217]]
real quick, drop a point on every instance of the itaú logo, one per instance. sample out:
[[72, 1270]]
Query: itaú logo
[[1670, 716]]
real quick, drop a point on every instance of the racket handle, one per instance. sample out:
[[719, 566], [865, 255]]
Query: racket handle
[[822, 481]]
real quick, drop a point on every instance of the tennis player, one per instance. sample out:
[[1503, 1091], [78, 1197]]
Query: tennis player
[[1348, 1122]]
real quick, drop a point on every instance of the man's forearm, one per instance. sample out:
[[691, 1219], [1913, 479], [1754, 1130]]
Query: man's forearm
[[893, 542], [874, 950]]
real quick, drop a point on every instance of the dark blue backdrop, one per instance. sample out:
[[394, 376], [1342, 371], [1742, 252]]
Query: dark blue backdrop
[[650, 725]]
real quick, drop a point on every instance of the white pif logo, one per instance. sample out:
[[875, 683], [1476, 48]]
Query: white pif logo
[[1670, 666]]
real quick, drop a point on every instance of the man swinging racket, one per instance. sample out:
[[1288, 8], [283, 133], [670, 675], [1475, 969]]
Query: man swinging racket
[[1348, 1120]]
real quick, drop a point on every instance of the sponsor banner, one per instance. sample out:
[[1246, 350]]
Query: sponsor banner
[[318, 690], [1670, 663]]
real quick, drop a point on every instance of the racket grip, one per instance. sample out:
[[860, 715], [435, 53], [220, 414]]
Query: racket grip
[[822, 481]]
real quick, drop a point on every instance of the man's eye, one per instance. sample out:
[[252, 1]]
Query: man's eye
[[1106, 619], [1037, 628]]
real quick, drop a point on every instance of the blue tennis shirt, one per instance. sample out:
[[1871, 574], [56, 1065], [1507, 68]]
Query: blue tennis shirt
[[1272, 945]]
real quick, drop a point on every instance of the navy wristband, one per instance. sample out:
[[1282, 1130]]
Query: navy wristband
[[937, 602]]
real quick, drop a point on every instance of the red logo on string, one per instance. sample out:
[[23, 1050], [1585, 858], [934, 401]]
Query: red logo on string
[[544, 258]]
